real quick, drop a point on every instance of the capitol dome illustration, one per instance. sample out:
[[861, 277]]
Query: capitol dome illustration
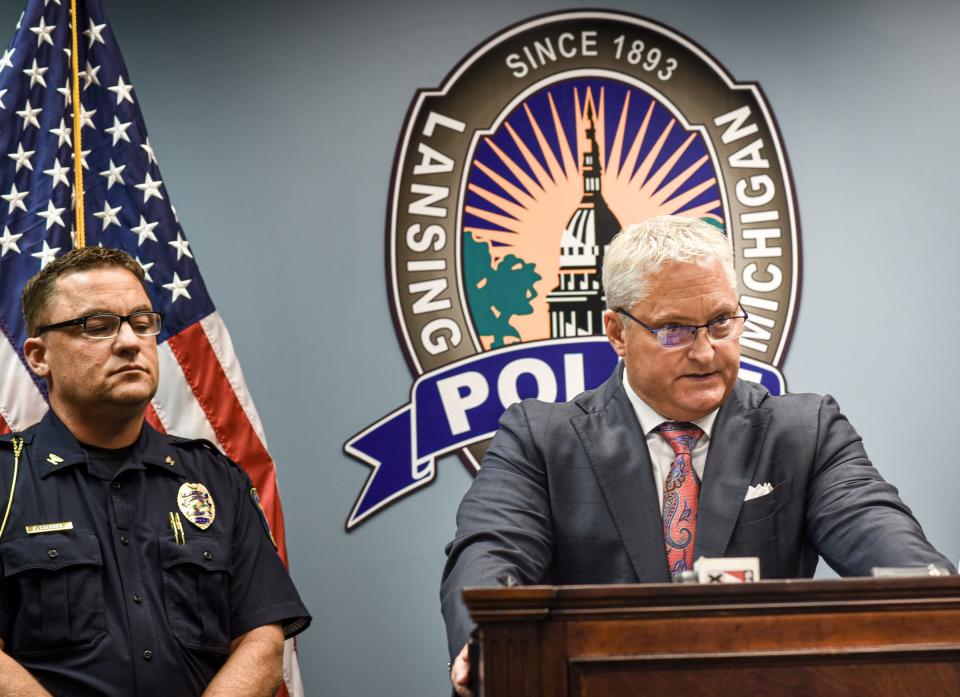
[[576, 304]]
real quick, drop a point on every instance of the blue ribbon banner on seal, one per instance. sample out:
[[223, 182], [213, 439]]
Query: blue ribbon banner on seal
[[461, 403]]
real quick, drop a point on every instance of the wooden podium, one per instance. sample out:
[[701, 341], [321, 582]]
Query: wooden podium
[[864, 637]]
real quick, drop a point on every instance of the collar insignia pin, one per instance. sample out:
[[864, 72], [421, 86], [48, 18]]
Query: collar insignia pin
[[196, 504], [54, 459], [169, 460]]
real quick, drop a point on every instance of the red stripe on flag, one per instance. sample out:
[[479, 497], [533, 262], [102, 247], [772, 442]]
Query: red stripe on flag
[[216, 397], [3, 426], [153, 419]]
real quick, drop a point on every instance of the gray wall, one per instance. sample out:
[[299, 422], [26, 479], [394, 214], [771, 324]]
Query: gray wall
[[275, 125]]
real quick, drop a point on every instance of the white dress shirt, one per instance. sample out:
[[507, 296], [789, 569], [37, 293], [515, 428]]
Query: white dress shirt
[[661, 454]]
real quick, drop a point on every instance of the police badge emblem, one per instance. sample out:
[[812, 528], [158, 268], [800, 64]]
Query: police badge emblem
[[510, 180], [196, 504]]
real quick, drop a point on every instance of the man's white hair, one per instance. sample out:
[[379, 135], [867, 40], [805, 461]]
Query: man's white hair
[[640, 249]]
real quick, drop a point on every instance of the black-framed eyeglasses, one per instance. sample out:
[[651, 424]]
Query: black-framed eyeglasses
[[723, 328], [106, 325]]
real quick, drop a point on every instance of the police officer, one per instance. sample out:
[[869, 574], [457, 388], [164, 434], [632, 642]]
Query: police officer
[[131, 562]]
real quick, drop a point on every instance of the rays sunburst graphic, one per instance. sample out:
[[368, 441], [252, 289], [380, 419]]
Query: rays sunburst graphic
[[526, 179]]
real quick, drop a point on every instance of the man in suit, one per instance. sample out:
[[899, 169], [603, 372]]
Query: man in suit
[[673, 458]]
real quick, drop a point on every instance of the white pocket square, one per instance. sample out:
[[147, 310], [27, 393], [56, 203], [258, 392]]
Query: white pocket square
[[758, 490]]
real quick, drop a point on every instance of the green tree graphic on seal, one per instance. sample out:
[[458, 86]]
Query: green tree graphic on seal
[[497, 293]]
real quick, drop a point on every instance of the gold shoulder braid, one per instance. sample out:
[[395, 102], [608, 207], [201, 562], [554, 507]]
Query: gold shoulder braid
[[17, 449]]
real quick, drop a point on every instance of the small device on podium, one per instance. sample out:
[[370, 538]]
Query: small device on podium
[[909, 571], [722, 570]]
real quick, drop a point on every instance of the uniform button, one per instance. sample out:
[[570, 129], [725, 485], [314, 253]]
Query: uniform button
[[124, 540], [147, 655], [116, 485], [208, 556], [52, 553], [137, 598]]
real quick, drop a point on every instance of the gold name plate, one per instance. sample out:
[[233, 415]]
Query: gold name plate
[[49, 527]]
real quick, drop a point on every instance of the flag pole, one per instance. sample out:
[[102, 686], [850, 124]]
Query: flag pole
[[78, 218]]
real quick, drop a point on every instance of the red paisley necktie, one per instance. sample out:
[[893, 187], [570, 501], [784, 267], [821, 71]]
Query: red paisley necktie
[[681, 495]]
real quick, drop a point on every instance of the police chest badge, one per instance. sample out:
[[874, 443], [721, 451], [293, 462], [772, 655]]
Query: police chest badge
[[196, 504]]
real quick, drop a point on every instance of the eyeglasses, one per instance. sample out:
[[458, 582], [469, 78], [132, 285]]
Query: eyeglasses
[[672, 336], [106, 325]]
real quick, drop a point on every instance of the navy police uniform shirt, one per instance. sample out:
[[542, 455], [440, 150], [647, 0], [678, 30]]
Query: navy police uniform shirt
[[110, 586]]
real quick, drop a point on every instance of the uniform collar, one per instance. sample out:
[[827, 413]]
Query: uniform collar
[[57, 449], [155, 450]]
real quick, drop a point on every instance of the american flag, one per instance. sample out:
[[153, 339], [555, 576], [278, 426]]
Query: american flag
[[202, 392]]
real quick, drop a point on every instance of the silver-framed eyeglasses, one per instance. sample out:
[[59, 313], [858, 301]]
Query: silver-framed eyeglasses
[[722, 328], [106, 325]]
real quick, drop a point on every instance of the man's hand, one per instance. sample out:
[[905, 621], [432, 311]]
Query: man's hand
[[460, 673], [255, 666], [15, 681]]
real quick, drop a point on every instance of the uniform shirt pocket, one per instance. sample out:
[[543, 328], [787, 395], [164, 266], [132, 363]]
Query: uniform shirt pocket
[[196, 590], [54, 584]]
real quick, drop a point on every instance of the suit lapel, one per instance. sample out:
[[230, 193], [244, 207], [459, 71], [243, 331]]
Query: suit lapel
[[618, 455], [731, 462]]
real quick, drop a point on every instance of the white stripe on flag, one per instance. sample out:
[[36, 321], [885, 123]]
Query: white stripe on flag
[[21, 403], [175, 403], [291, 669], [222, 346]]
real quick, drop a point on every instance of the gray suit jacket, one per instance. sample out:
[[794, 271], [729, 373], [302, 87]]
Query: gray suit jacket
[[565, 495]]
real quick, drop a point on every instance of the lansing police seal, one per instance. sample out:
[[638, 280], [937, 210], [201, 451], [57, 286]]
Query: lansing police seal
[[510, 180]]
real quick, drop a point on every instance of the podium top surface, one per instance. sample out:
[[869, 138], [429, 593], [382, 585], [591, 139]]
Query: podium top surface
[[527, 602]]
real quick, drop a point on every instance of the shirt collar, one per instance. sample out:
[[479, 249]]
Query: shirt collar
[[57, 448], [649, 419]]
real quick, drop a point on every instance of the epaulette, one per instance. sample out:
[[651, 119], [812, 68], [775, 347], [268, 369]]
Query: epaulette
[[16, 447], [6, 446], [192, 442], [195, 443], [6, 442], [6, 439]]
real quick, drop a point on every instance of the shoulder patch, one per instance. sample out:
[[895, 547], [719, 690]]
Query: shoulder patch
[[255, 497]]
